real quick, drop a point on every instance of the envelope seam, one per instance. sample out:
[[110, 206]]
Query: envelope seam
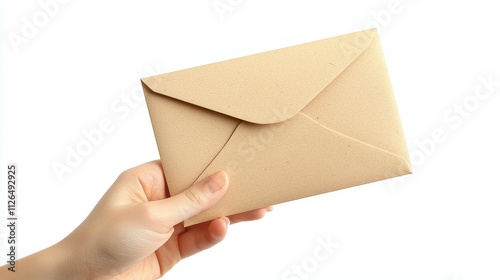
[[359, 141], [369, 44], [222, 148]]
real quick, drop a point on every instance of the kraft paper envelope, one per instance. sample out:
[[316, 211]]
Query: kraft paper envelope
[[284, 124]]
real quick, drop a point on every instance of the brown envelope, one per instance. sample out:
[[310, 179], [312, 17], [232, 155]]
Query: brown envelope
[[285, 124]]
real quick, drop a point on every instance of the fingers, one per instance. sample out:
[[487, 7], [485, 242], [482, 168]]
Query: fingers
[[151, 178], [250, 215], [145, 182], [202, 236], [205, 235], [194, 200]]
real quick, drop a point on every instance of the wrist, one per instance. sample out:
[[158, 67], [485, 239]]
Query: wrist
[[64, 260], [59, 261]]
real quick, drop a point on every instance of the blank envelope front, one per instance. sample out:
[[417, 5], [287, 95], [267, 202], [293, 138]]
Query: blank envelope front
[[285, 124]]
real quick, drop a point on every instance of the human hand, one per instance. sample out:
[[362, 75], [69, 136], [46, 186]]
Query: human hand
[[135, 231]]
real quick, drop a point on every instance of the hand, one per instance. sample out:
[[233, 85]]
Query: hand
[[135, 231]]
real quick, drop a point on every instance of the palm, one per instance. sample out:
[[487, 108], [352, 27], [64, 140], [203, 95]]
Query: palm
[[163, 250], [182, 244]]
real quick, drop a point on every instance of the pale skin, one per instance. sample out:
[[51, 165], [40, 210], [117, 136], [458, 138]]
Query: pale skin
[[135, 231]]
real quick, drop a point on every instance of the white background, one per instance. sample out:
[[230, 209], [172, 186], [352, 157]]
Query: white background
[[442, 222]]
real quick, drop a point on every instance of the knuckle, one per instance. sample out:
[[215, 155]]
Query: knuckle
[[127, 174], [148, 213], [195, 197]]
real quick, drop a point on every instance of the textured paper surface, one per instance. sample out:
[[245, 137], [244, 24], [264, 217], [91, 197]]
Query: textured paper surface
[[285, 124]]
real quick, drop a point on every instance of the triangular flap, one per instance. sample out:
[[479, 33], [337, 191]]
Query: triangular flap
[[253, 88]]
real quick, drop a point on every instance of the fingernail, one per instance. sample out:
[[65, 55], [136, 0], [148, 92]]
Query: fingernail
[[216, 181], [270, 208], [226, 219]]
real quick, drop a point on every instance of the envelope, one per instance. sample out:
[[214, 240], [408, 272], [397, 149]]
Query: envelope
[[285, 124]]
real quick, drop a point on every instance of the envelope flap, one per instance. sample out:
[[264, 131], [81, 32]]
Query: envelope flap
[[268, 87]]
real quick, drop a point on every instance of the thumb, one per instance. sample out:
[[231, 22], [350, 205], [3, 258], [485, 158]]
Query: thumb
[[191, 202]]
